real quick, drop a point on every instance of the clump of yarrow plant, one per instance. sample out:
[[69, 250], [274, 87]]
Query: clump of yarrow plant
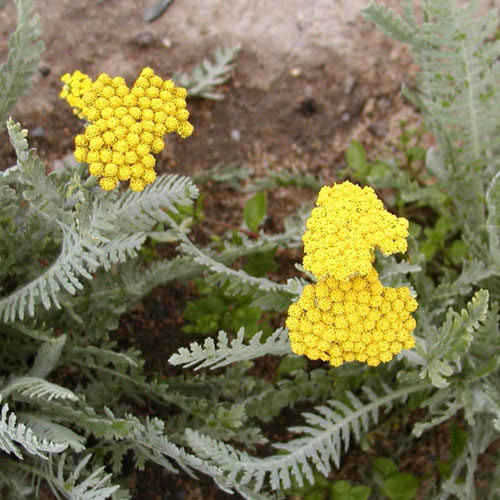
[[389, 326]]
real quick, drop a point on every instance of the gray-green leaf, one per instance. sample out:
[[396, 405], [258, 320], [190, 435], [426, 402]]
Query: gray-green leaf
[[255, 211]]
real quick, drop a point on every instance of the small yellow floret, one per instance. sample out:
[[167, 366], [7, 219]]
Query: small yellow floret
[[149, 175], [124, 173], [137, 170], [148, 161], [157, 145], [141, 82], [80, 140], [185, 129], [80, 154], [152, 92], [156, 81], [110, 170], [108, 183], [137, 184], [105, 155], [142, 149], [135, 113], [96, 169]]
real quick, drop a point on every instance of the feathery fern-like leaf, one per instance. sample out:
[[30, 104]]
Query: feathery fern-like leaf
[[493, 219], [208, 75], [443, 347], [393, 25], [79, 255], [52, 431], [25, 49], [47, 357], [38, 188], [37, 388], [222, 352], [140, 212], [326, 432], [99, 243], [14, 434], [93, 486]]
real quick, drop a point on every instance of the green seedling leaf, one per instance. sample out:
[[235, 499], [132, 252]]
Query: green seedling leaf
[[457, 251], [259, 264], [429, 249], [355, 156], [314, 495], [319, 484], [415, 229], [443, 226], [242, 316], [385, 467], [340, 487], [255, 211], [402, 486], [379, 171], [204, 315], [290, 363], [415, 154], [458, 440], [444, 469], [343, 490], [359, 493]]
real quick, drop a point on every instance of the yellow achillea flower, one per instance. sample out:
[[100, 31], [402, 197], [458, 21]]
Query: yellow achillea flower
[[126, 125], [346, 225], [358, 319]]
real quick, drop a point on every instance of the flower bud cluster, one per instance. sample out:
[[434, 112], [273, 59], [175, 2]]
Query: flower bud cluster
[[126, 125], [357, 319], [346, 225], [348, 314]]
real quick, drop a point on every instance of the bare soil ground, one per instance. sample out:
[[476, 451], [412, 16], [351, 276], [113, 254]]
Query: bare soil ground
[[311, 76]]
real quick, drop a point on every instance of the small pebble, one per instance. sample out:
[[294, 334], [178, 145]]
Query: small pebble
[[235, 135], [145, 39], [295, 72], [378, 129], [369, 107], [308, 106], [44, 70], [349, 83], [38, 132], [383, 104], [345, 117], [167, 43]]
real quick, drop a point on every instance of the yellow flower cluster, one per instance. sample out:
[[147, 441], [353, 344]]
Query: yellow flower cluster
[[126, 125], [348, 314], [75, 87], [346, 225], [358, 319]]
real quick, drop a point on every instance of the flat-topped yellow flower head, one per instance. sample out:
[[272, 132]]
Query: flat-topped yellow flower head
[[358, 319], [345, 227], [126, 126]]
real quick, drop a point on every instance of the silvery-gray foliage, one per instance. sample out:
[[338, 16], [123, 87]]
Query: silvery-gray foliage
[[70, 267], [22, 61]]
